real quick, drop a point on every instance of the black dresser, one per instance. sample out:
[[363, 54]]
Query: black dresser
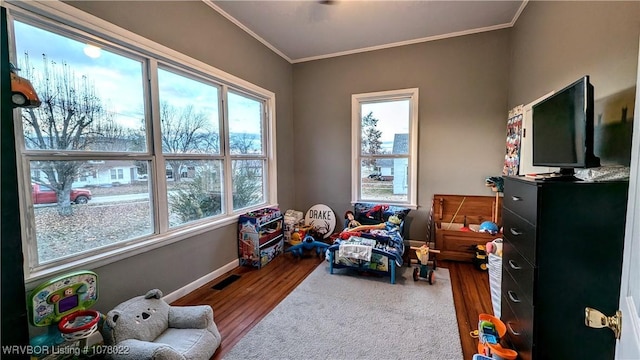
[[563, 243]]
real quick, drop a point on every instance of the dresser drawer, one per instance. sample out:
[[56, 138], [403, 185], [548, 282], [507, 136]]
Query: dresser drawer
[[516, 338], [521, 198], [522, 308], [514, 292], [520, 234], [519, 269]]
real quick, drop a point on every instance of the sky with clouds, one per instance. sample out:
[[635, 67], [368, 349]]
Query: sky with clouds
[[393, 118], [119, 80]]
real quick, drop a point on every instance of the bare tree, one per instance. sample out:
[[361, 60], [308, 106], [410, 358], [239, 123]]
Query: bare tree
[[107, 135], [184, 131], [243, 143], [70, 118]]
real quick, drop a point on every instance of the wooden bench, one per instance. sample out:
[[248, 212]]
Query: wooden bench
[[452, 212]]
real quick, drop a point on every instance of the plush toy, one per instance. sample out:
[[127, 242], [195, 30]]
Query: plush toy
[[377, 209], [495, 182], [494, 247], [350, 221], [149, 328], [308, 243]]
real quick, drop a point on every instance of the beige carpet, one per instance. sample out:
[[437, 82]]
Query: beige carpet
[[351, 316]]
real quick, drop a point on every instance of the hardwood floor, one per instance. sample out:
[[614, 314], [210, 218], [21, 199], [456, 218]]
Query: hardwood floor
[[244, 302], [472, 297]]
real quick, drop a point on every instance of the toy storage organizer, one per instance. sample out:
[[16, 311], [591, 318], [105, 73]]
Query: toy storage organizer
[[260, 237]]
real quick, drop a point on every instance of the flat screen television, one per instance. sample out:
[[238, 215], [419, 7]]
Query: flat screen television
[[563, 129]]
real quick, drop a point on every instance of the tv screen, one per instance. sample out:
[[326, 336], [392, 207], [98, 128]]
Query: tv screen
[[563, 128]]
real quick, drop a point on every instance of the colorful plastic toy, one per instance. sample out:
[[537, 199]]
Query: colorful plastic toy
[[480, 357], [63, 305], [489, 227], [490, 330]]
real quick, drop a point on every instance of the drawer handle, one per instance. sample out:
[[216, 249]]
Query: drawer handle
[[515, 232], [516, 198], [513, 296], [511, 329], [514, 265]]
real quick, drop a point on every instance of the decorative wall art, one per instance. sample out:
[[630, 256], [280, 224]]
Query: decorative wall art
[[514, 138]]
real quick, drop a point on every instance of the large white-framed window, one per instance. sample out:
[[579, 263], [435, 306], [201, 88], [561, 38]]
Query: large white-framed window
[[384, 138], [134, 146]]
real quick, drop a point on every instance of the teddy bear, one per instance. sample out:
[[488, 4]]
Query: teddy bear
[[146, 327]]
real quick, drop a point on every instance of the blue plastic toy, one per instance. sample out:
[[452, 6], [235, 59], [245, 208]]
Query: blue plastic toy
[[308, 243], [481, 357], [489, 227]]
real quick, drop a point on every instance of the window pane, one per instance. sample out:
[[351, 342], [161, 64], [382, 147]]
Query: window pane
[[195, 190], [103, 212], [385, 127], [245, 125], [188, 115], [384, 179], [92, 99], [248, 188]]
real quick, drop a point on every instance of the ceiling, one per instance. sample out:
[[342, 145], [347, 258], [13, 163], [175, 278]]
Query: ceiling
[[307, 30]]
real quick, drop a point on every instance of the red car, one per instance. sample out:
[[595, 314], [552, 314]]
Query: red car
[[42, 194]]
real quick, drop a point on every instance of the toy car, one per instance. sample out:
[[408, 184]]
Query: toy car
[[22, 92]]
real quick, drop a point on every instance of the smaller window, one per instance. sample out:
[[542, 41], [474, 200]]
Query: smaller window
[[384, 130]]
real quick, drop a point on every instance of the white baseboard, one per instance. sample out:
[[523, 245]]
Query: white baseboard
[[175, 295]]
